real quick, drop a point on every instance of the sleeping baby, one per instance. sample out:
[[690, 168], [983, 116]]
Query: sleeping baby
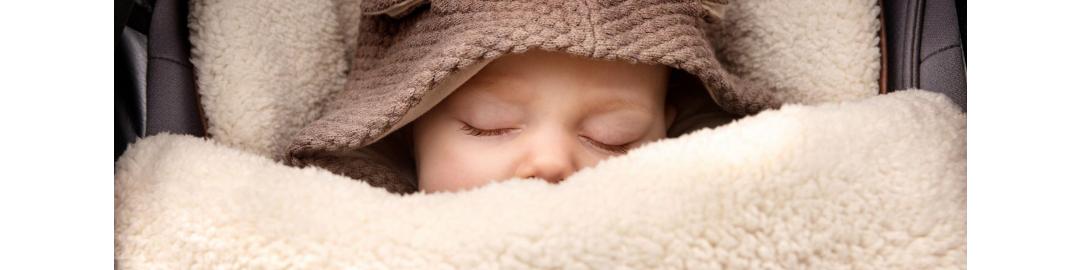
[[447, 96], [539, 115]]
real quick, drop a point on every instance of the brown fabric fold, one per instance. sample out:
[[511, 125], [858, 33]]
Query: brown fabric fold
[[407, 48]]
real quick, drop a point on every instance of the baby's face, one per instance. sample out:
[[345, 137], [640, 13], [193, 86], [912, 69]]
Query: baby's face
[[539, 114]]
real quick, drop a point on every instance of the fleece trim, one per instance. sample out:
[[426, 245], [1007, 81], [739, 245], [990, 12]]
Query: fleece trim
[[803, 51], [264, 69]]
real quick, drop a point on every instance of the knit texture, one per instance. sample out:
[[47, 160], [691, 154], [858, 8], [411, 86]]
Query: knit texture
[[398, 60]]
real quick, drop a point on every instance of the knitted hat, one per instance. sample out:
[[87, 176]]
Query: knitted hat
[[411, 54]]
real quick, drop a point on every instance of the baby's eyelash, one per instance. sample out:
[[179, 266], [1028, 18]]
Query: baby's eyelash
[[473, 131], [619, 149]]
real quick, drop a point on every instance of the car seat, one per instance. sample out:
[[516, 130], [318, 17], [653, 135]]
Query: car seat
[[155, 84], [922, 41]]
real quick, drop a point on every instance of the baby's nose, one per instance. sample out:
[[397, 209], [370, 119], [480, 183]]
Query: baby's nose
[[553, 163]]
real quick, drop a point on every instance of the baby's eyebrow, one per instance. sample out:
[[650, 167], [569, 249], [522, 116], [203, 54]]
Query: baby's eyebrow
[[505, 89], [618, 104], [514, 91]]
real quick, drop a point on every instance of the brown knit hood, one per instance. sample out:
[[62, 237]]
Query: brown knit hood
[[411, 54]]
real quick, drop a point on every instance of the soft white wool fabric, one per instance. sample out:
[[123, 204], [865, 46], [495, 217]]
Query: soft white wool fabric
[[806, 51], [265, 67], [873, 184]]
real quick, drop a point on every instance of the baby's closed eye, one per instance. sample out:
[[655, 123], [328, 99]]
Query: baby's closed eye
[[479, 132], [612, 136], [617, 148], [618, 127]]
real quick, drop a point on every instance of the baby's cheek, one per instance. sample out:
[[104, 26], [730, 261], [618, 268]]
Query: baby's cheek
[[462, 166]]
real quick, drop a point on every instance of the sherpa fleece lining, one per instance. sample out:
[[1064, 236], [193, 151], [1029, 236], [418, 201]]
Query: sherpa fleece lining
[[872, 184]]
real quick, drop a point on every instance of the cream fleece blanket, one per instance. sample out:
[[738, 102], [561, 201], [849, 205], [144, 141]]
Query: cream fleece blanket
[[873, 184]]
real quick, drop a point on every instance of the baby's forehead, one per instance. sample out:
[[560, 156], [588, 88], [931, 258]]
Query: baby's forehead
[[509, 83], [518, 91], [511, 103], [550, 80]]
